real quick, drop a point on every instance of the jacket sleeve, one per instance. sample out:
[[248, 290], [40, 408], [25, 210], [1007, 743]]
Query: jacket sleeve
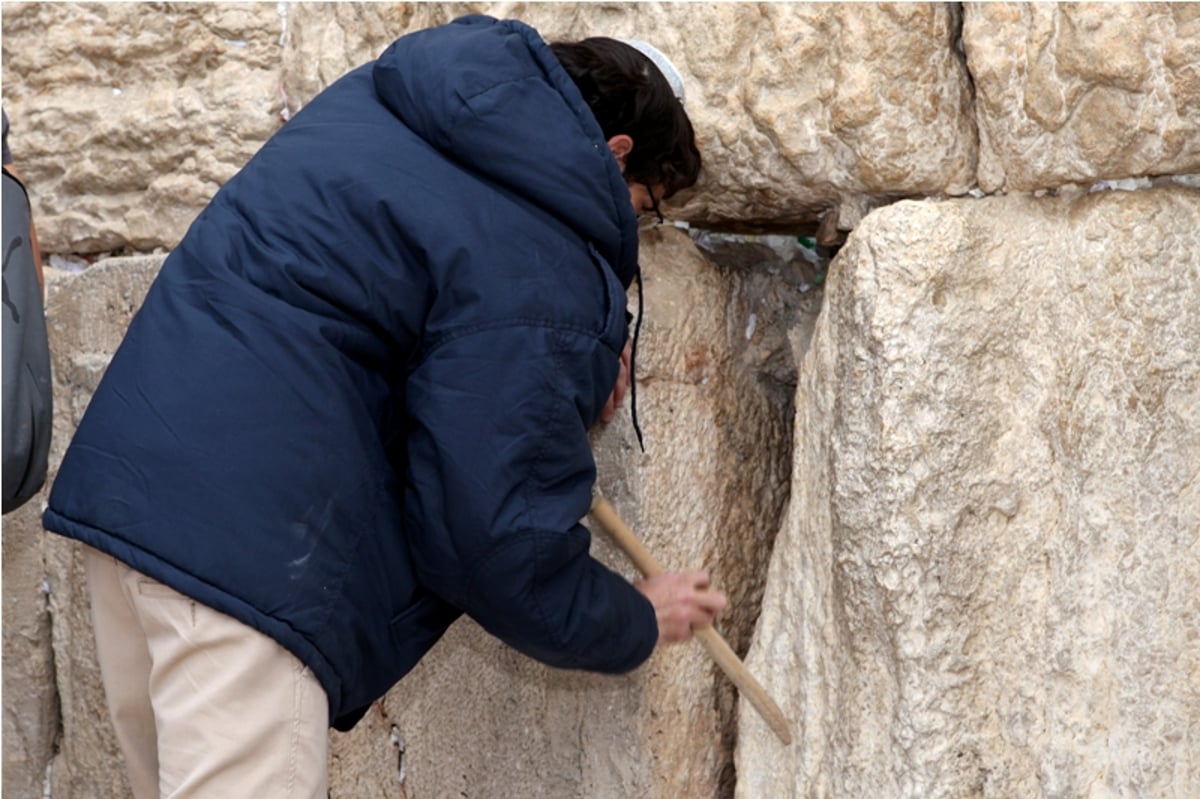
[[500, 472]]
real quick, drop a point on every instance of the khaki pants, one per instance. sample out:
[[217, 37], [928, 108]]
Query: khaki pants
[[203, 705]]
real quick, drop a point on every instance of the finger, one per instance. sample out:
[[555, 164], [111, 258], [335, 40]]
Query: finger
[[703, 610], [712, 601], [618, 395], [609, 410], [703, 615], [679, 632], [622, 382]]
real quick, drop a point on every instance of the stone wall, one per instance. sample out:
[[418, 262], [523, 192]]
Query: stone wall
[[1072, 94], [128, 117], [967, 506], [988, 582]]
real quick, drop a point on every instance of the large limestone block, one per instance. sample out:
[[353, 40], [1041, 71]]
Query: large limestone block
[[988, 582], [87, 315], [1077, 92], [327, 40], [127, 117], [799, 108], [30, 711]]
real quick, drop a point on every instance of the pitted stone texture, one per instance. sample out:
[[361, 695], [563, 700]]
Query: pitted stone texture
[[988, 583], [126, 120], [126, 123], [326, 40], [87, 314], [478, 719], [798, 108], [1074, 93], [30, 712], [705, 492]]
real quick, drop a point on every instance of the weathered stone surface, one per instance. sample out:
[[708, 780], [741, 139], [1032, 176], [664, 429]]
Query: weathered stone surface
[[988, 583], [326, 40], [705, 493], [87, 315], [475, 718], [126, 117], [1075, 92], [30, 715]]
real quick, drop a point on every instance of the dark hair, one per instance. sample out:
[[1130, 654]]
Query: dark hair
[[629, 95]]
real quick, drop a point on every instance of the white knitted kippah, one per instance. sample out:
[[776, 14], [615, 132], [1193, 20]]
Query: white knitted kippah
[[662, 62]]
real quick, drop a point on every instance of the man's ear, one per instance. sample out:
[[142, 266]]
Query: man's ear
[[620, 145]]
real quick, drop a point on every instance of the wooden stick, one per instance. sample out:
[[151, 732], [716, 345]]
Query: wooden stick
[[720, 651]]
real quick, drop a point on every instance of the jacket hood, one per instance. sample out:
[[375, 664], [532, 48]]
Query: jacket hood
[[490, 95]]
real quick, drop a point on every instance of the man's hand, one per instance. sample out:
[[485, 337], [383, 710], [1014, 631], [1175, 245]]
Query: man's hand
[[682, 602], [618, 392]]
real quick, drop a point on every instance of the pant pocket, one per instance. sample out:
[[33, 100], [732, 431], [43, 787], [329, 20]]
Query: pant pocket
[[153, 589], [156, 590]]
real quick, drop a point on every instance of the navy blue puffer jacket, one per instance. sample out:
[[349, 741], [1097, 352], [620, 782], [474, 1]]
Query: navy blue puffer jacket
[[356, 399]]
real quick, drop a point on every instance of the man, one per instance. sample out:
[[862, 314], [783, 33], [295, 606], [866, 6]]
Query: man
[[355, 405]]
